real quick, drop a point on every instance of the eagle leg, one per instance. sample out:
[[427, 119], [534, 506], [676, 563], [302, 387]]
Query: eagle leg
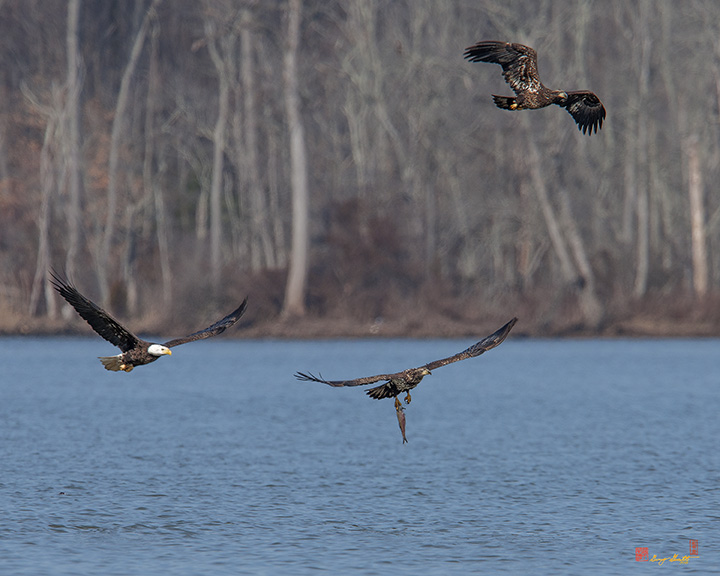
[[397, 403], [126, 367], [408, 399]]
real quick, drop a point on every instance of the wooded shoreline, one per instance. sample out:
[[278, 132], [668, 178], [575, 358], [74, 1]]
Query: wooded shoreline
[[341, 162]]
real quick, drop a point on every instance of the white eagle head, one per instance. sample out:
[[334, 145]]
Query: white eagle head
[[158, 350]]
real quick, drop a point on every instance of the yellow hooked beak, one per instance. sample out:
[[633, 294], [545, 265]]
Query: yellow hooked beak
[[169, 352]]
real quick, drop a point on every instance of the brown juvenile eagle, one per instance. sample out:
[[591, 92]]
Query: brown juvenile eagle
[[519, 64], [406, 380], [135, 352]]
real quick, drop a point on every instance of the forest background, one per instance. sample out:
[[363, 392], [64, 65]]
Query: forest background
[[344, 166]]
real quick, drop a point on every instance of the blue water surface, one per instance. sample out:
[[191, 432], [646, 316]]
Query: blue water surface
[[539, 457]]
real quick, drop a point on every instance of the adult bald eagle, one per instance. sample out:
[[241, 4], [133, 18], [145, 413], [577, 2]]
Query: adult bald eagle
[[519, 64], [135, 352], [406, 380]]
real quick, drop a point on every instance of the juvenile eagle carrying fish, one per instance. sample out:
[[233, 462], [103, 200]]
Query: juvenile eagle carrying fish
[[403, 382], [519, 64], [135, 352]]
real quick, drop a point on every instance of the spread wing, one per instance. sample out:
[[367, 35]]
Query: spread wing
[[99, 320], [519, 63], [340, 383], [586, 109], [218, 328], [487, 343]]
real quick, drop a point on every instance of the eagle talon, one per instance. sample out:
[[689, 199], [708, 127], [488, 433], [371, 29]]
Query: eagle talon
[[398, 406], [408, 399]]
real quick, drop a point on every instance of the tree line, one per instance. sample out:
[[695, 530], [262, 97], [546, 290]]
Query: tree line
[[341, 159]]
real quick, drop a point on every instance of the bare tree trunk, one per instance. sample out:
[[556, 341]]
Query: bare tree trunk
[[4, 122], [551, 220], [590, 305], [162, 234], [72, 142], [116, 134], [697, 219], [274, 160], [224, 73], [530, 248], [261, 246], [48, 179], [297, 275], [566, 239], [152, 187], [630, 182], [276, 208], [132, 217], [357, 105], [367, 97], [59, 162], [642, 268]]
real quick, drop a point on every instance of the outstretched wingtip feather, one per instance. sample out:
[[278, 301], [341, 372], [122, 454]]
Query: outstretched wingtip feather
[[98, 319], [307, 377], [218, 328]]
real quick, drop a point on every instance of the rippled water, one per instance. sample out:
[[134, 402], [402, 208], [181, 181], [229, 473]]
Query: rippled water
[[539, 457]]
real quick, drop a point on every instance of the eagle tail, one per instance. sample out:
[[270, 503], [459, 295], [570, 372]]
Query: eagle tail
[[113, 363], [505, 102]]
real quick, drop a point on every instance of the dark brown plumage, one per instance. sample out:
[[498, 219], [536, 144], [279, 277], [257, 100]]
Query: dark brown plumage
[[519, 64], [406, 380], [135, 352]]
